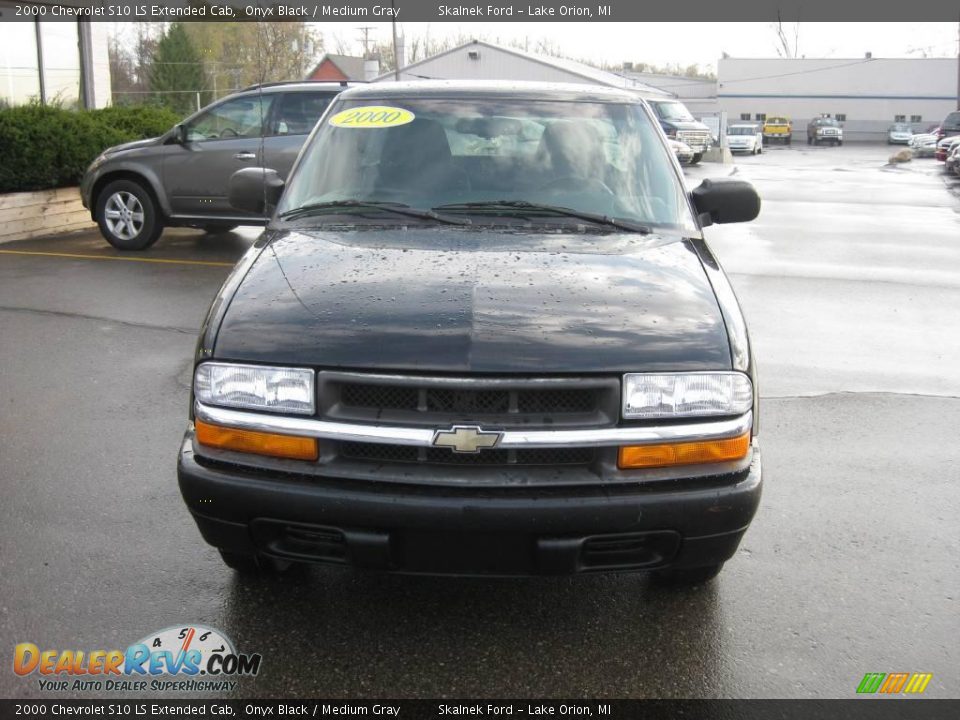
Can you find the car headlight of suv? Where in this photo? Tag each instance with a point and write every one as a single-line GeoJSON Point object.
{"type": "Point", "coordinates": [256, 387]}
{"type": "Point", "coordinates": [649, 396]}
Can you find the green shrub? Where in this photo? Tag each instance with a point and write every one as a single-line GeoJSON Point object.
{"type": "Point", "coordinates": [141, 121]}
{"type": "Point", "coordinates": [45, 146]}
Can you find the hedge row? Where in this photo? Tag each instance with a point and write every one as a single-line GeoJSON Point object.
{"type": "Point", "coordinates": [43, 147]}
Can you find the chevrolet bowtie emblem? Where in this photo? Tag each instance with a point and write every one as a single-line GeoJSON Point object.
{"type": "Point", "coordinates": [466, 438]}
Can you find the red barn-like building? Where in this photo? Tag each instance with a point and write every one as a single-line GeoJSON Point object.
{"type": "Point", "coordinates": [337, 67]}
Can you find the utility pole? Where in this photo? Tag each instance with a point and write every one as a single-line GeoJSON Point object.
{"type": "Point", "coordinates": [366, 38]}
{"type": "Point", "coordinates": [958, 62]}
{"type": "Point", "coordinates": [396, 61]}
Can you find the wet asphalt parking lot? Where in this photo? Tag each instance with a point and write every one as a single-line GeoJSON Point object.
{"type": "Point", "coordinates": [850, 280]}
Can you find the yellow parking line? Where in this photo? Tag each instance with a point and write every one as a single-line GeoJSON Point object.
{"type": "Point", "coordinates": [115, 257]}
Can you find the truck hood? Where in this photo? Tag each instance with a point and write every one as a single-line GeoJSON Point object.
{"type": "Point", "coordinates": [472, 301]}
{"type": "Point", "coordinates": [686, 124]}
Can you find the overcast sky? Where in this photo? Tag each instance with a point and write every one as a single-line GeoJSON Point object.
{"type": "Point", "coordinates": [684, 43]}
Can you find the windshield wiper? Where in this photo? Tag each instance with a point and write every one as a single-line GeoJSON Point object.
{"type": "Point", "coordinates": [554, 209]}
{"type": "Point", "coordinates": [398, 208]}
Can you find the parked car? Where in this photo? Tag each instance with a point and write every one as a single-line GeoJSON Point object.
{"type": "Point", "coordinates": [451, 356]}
{"type": "Point", "coordinates": [824, 130]}
{"type": "Point", "coordinates": [777, 128]}
{"type": "Point", "coordinates": [679, 124]}
{"type": "Point", "coordinates": [683, 151]}
{"type": "Point", "coordinates": [135, 190]}
{"type": "Point", "coordinates": [924, 144]}
{"type": "Point", "coordinates": [899, 134]}
{"type": "Point", "coordinates": [950, 125]}
{"type": "Point", "coordinates": [952, 163]}
{"type": "Point", "coordinates": [943, 147]}
{"type": "Point", "coordinates": [745, 138]}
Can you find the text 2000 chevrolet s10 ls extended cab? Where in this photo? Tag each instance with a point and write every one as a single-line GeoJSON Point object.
{"type": "Point", "coordinates": [482, 334]}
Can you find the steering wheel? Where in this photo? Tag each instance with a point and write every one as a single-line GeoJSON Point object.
{"type": "Point", "coordinates": [575, 183]}
{"type": "Point", "coordinates": [229, 132]}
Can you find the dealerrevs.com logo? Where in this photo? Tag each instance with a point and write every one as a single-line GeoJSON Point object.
{"type": "Point", "coordinates": [188, 658]}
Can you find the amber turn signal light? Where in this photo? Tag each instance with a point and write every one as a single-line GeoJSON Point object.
{"type": "Point", "coordinates": [683, 453]}
{"type": "Point", "coordinates": [282, 446]}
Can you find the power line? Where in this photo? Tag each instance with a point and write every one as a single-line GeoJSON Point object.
{"type": "Point", "coordinates": [800, 72]}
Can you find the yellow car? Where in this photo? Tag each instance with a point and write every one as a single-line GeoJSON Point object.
{"type": "Point", "coordinates": [777, 128]}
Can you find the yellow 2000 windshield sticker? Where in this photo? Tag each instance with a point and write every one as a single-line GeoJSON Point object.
{"type": "Point", "coordinates": [372, 116]}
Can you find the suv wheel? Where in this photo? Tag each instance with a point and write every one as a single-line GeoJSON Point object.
{"type": "Point", "coordinates": [697, 157]}
{"type": "Point", "coordinates": [127, 216]}
{"type": "Point", "coordinates": [688, 576]}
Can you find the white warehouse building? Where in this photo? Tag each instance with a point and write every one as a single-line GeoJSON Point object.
{"type": "Point", "coordinates": [865, 94]}
{"type": "Point", "coordinates": [480, 60]}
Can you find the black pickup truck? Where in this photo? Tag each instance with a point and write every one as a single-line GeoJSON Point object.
{"type": "Point", "coordinates": [481, 334]}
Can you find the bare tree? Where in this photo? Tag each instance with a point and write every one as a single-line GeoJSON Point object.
{"type": "Point", "coordinates": [788, 38]}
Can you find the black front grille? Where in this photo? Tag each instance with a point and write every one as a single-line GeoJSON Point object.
{"type": "Point", "coordinates": [557, 401]}
{"type": "Point", "coordinates": [381, 453]}
{"type": "Point", "coordinates": [478, 402]}
{"type": "Point", "coordinates": [592, 404]}
{"type": "Point", "coordinates": [389, 397]}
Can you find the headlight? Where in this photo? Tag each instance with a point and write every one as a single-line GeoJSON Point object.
{"type": "Point", "coordinates": [683, 395]}
{"type": "Point", "coordinates": [256, 387]}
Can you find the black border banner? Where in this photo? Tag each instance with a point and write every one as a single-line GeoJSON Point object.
{"type": "Point", "coordinates": [853, 709]}
{"type": "Point", "coordinates": [466, 11]}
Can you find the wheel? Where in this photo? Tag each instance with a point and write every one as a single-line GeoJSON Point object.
{"type": "Point", "coordinates": [127, 216]}
{"type": "Point", "coordinates": [697, 157]}
{"type": "Point", "coordinates": [759, 149]}
{"type": "Point", "coordinates": [255, 564]}
{"type": "Point", "coordinates": [787, 140]}
{"type": "Point", "coordinates": [218, 229]}
{"type": "Point", "coordinates": [688, 576]}
{"type": "Point", "coordinates": [809, 140]}
{"type": "Point", "coordinates": [839, 143]}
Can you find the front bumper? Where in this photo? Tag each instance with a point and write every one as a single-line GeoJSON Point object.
{"type": "Point", "coordinates": [468, 531]}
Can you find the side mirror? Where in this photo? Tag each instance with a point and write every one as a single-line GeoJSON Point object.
{"type": "Point", "coordinates": [255, 190]}
{"type": "Point", "coordinates": [180, 134]}
{"type": "Point", "coordinates": [725, 200]}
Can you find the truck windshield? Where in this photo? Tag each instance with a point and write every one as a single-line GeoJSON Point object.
{"type": "Point", "coordinates": [673, 111]}
{"type": "Point", "coordinates": [474, 156]}
{"type": "Point", "coordinates": [740, 130]}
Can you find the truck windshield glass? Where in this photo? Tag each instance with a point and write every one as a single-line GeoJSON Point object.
{"type": "Point", "coordinates": [740, 130]}
{"type": "Point", "coordinates": [606, 159]}
{"type": "Point", "coordinates": [673, 111]}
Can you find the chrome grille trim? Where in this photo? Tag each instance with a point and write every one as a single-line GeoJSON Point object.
{"type": "Point", "coordinates": [511, 439]}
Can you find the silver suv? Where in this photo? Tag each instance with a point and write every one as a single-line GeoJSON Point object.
{"type": "Point", "coordinates": [135, 190]}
